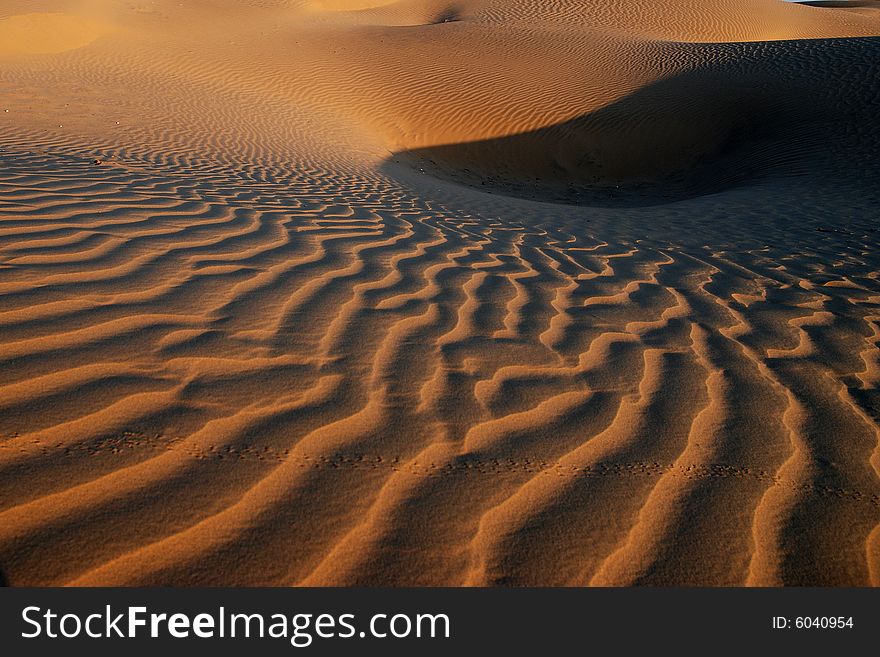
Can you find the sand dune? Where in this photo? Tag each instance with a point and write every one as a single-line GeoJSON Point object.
{"type": "Point", "coordinates": [494, 292]}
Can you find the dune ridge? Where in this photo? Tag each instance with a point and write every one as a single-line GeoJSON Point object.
{"type": "Point", "coordinates": [427, 293]}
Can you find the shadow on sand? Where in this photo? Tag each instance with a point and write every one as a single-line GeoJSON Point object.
{"type": "Point", "coordinates": [743, 112]}
{"type": "Point", "coordinates": [837, 4]}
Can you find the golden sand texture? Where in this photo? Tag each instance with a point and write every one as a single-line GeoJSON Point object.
{"type": "Point", "coordinates": [493, 292]}
{"type": "Point", "coordinates": [46, 33]}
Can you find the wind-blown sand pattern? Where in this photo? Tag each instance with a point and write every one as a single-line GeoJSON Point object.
{"type": "Point", "coordinates": [489, 292]}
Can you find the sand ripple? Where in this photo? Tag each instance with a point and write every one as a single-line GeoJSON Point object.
{"type": "Point", "coordinates": [259, 343]}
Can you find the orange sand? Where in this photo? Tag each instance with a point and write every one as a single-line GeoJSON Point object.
{"type": "Point", "coordinates": [558, 292]}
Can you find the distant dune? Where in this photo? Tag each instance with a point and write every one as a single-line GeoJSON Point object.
{"type": "Point", "coordinates": [485, 292]}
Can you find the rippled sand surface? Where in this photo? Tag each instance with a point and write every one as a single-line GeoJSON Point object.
{"type": "Point", "coordinates": [493, 292]}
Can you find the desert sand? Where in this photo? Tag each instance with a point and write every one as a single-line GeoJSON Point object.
{"type": "Point", "coordinates": [485, 292]}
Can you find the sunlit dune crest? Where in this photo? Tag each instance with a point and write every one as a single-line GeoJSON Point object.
{"type": "Point", "coordinates": [47, 33]}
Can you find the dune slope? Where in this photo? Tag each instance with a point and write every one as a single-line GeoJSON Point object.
{"type": "Point", "coordinates": [494, 292]}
